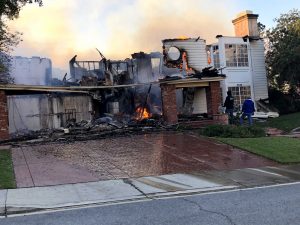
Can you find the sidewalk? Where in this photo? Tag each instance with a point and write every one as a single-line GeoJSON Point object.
{"type": "Point", "coordinates": [25, 200]}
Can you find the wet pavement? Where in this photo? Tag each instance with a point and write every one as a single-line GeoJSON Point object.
{"type": "Point", "coordinates": [126, 157]}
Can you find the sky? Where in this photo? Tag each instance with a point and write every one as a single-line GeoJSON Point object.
{"type": "Point", "coordinates": [61, 29]}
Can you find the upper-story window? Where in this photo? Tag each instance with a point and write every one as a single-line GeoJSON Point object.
{"type": "Point", "coordinates": [236, 55]}
{"type": "Point", "coordinates": [216, 56]}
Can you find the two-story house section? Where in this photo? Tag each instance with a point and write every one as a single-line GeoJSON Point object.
{"type": "Point", "coordinates": [241, 58]}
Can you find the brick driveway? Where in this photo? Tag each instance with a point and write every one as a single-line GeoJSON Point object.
{"type": "Point", "coordinates": [123, 157]}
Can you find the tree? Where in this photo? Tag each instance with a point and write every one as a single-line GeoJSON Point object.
{"type": "Point", "coordinates": [9, 9]}
{"type": "Point", "coordinates": [261, 29]}
{"type": "Point", "coordinates": [283, 52]}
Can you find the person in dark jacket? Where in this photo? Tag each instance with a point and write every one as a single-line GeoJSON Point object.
{"type": "Point", "coordinates": [229, 104]}
{"type": "Point", "coordinates": [248, 110]}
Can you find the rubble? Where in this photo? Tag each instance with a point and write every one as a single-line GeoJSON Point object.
{"type": "Point", "coordinates": [101, 127]}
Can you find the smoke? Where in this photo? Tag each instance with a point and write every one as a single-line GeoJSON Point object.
{"type": "Point", "coordinates": [157, 20]}
{"type": "Point", "coordinates": [61, 29]}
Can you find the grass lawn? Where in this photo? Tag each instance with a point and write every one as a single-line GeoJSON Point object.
{"type": "Point", "coordinates": [7, 178]}
{"type": "Point", "coordinates": [285, 122]}
{"type": "Point", "coordinates": [280, 149]}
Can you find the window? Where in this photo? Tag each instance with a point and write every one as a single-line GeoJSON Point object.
{"type": "Point", "coordinates": [240, 94]}
{"type": "Point", "coordinates": [155, 63]}
{"type": "Point", "coordinates": [216, 56]}
{"type": "Point", "coordinates": [70, 114]}
{"type": "Point", "coordinates": [236, 55]}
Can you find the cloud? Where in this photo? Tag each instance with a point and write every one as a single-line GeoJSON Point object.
{"type": "Point", "coordinates": [61, 29]}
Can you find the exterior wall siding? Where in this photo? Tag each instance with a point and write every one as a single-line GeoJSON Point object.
{"type": "Point", "coordinates": [260, 83]}
{"type": "Point", "coordinates": [253, 75]}
{"type": "Point", "coordinates": [36, 112]}
{"type": "Point", "coordinates": [234, 75]}
{"type": "Point", "coordinates": [196, 51]}
{"type": "Point", "coordinates": [22, 113]}
{"type": "Point", "coordinates": [31, 71]}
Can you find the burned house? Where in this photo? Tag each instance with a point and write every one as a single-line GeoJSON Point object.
{"type": "Point", "coordinates": [137, 85]}
{"type": "Point", "coordinates": [125, 87]}
{"type": "Point", "coordinates": [191, 85]}
{"type": "Point", "coordinates": [156, 85]}
{"type": "Point", "coordinates": [240, 59]}
{"type": "Point", "coordinates": [186, 81]}
{"type": "Point", "coordinates": [184, 57]}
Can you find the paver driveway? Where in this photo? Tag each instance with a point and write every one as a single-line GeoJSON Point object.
{"type": "Point", "coordinates": [123, 157]}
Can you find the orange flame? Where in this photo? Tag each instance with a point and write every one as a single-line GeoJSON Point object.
{"type": "Point", "coordinates": [142, 113]}
{"type": "Point", "coordinates": [184, 58]}
{"type": "Point", "coordinates": [182, 37]}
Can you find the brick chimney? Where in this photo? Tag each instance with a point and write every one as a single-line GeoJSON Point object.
{"type": "Point", "coordinates": [245, 24]}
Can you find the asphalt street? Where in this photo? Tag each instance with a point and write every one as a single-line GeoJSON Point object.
{"type": "Point", "coordinates": [277, 205]}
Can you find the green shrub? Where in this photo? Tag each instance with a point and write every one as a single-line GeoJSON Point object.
{"type": "Point", "coordinates": [229, 131]}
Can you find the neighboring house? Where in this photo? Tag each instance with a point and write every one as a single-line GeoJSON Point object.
{"type": "Point", "coordinates": [241, 59]}
{"type": "Point", "coordinates": [31, 71]}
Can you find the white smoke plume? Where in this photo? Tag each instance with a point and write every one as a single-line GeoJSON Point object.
{"type": "Point", "coordinates": [61, 29]}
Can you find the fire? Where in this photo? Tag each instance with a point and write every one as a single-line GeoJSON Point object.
{"type": "Point", "coordinates": [182, 37]}
{"type": "Point", "coordinates": [185, 60]}
{"type": "Point", "coordinates": [142, 113]}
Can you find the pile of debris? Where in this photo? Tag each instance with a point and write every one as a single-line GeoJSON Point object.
{"type": "Point", "coordinates": [106, 126]}
{"type": "Point", "coordinates": [113, 122]}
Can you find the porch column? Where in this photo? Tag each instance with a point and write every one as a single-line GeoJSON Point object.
{"type": "Point", "coordinates": [169, 106]}
{"type": "Point", "coordinates": [4, 132]}
{"type": "Point", "coordinates": [213, 98]}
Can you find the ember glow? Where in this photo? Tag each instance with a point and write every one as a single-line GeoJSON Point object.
{"type": "Point", "coordinates": [142, 113]}
{"type": "Point", "coordinates": [185, 61]}
{"type": "Point", "coordinates": [182, 37]}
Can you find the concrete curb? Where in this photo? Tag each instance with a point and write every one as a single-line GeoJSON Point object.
{"type": "Point", "coordinates": [27, 200]}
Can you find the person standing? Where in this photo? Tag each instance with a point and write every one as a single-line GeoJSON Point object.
{"type": "Point", "coordinates": [229, 104]}
{"type": "Point", "coordinates": [247, 110]}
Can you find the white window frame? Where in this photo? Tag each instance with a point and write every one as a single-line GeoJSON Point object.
{"type": "Point", "coordinates": [240, 94]}
{"type": "Point", "coordinates": [238, 56]}
{"type": "Point", "coordinates": [216, 56]}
